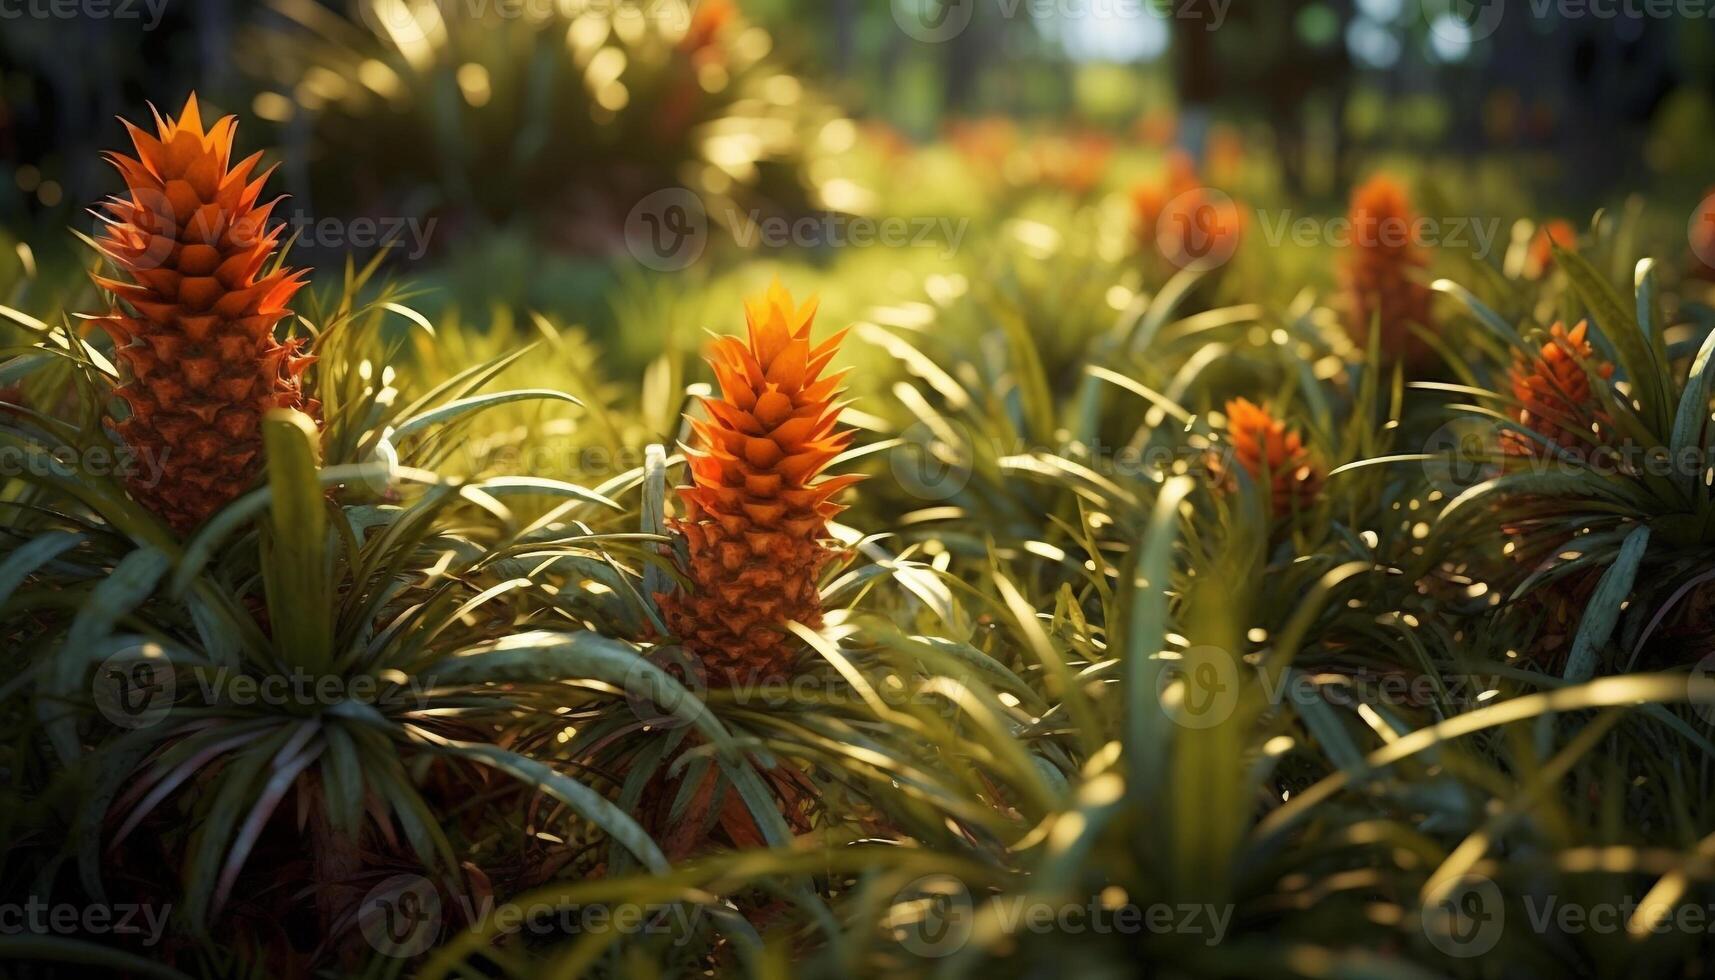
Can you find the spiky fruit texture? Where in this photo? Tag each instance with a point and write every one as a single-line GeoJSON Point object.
{"type": "Point", "coordinates": [1377, 274]}
{"type": "Point", "coordinates": [193, 330]}
{"type": "Point", "coordinates": [1271, 452]}
{"type": "Point", "coordinates": [756, 512]}
{"type": "Point", "coordinates": [1554, 395]}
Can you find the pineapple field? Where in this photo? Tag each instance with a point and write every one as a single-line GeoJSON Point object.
{"type": "Point", "coordinates": [935, 488]}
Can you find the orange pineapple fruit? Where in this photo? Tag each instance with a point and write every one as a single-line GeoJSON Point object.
{"type": "Point", "coordinates": [1376, 277]}
{"type": "Point", "coordinates": [1269, 451]}
{"type": "Point", "coordinates": [756, 512]}
{"type": "Point", "coordinates": [1554, 395]}
{"type": "Point", "coordinates": [193, 322]}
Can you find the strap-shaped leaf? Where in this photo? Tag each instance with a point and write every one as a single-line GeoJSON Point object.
{"type": "Point", "coordinates": [133, 580]}
{"type": "Point", "coordinates": [1692, 418]}
{"type": "Point", "coordinates": [1619, 324]}
{"type": "Point", "coordinates": [585, 801]}
{"type": "Point", "coordinates": [1486, 316]}
{"type": "Point", "coordinates": [1604, 608]}
{"type": "Point", "coordinates": [297, 571]}
{"type": "Point", "coordinates": [1148, 727]}
{"type": "Point", "coordinates": [475, 403]}
{"type": "Point", "coordinates": [28, 558]}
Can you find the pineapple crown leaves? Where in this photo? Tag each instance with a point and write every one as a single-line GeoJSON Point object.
{"type": "Point", "coordinates": [192, 233]}
{"type": "Point", "coordinates": [771, 431]}
{"type": "Point", "coordinates": [194, 314]}
{"type": "Point", "coordinates": [1381, 210]}
{"type": "Point", "coordinates": [1267, 449]}
{"type": "Point", "coordinates": [1554, 390]}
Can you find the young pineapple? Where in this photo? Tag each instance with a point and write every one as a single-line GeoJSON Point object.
{"type": "Point", "coordinates": [1554, 396]}
{"type": "Point", "coordinates": [756, 512]}
{"type": "Point", "coordinates": [1267, 449]}
{"type": "Point", "coordinates": [193, 327]}
{"type": "Point", "coordinates": [1377, 275]}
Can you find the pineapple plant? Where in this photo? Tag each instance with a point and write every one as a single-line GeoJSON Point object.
{"type": "Point", "coordinates": [1272, 454]}
{"type": "Point", "coordinates": [1377, 277]}
{"type": "Point", "coordinates": [194, 315]}
{"type": "Point", "coordinates": [1554, 394]}
{"type": "Point", "coordinates": [756, 511]}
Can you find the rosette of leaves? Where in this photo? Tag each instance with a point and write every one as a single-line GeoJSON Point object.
{"type": "Point", "coordinates": [1596, 482]}
{"type": "Point", "coordinates": [322, 685]}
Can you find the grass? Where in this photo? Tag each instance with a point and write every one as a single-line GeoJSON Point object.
{"type": "Point", "coordinates": [1075, 706]}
